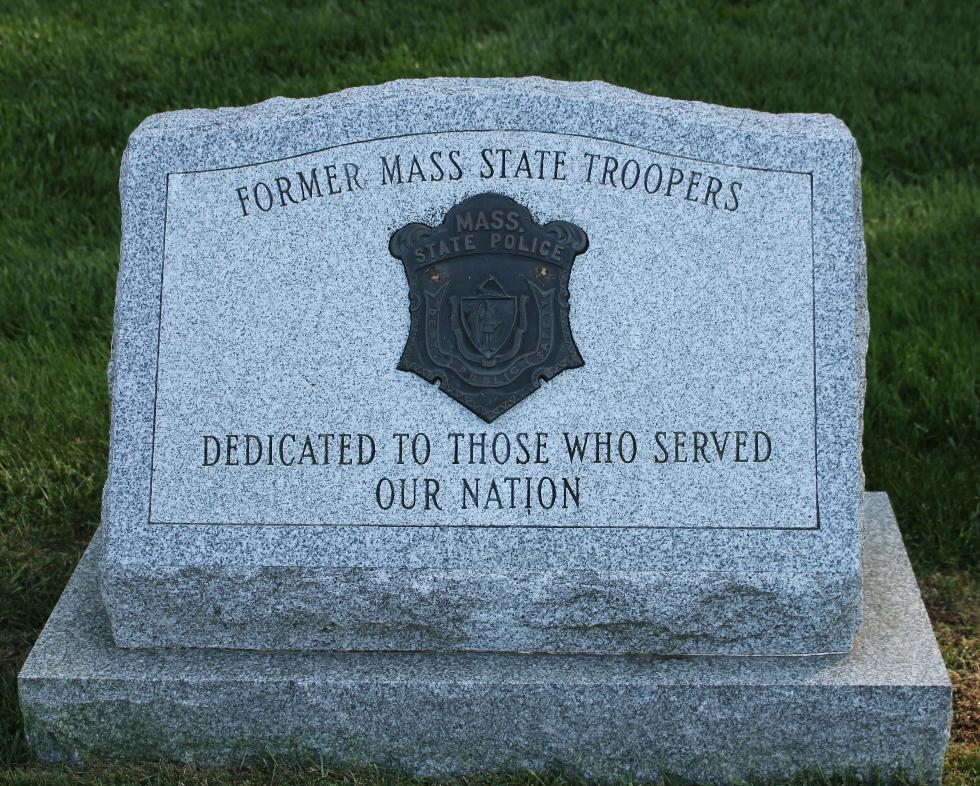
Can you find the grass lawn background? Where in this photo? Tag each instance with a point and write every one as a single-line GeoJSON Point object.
{"type": "Point", "coordinates": [76, 79]}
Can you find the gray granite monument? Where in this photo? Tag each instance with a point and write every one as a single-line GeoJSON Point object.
{"type": "Point", "coordinates": [462, 425]}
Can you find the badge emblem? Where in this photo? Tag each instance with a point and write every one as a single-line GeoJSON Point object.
{"type": "Point", "coordinates": [488, 300]}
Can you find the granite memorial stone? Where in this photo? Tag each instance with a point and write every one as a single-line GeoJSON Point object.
{"type": "Point", "coordinates": [636, 332]}
{"type": "Point", "coordinates": [465, 379]}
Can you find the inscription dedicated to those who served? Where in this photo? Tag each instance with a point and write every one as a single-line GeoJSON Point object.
{"type": "Point", "coordinates": [523, 452]}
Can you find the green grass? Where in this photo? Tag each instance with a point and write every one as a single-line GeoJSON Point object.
{"type": "Point", "coordinates": [76, 78]}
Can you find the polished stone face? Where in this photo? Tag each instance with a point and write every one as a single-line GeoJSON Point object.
{"type": "Point", "coordinates": [692, 400]}
{"type": "Point", "coordinates": [654, 449]}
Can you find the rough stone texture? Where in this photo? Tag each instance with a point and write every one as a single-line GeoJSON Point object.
{"type": "Point", "coordinates": [884, 708]}
{"type": "Point", "coordinates": [688, 318]}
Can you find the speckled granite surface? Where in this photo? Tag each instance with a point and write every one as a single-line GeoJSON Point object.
{"type": "Point", "coordinates": [883, 708]}
{"type": "Point", "coordinates": [731, 302]}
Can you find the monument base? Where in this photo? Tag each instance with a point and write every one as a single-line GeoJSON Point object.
{"type": "Point", "coordinates": [884, 708]}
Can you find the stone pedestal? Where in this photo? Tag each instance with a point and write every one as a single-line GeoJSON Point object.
{"type": "Point", "coordinates": [884, 707]}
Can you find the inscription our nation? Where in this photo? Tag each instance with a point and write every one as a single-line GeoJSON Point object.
{"type": "Point", "coordinates": [740, 454]}
{"type": "Point", "coordinates": [481, 449]}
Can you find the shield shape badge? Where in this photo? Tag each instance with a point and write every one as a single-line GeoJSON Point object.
{"type": "Point", "coordinates": [488, 301]}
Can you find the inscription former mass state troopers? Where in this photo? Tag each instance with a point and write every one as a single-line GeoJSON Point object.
{"type": "Point", "coordinates": [488, 299]}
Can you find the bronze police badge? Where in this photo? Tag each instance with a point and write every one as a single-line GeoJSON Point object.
{"type": "Point", "coordinates": [488, 299]}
